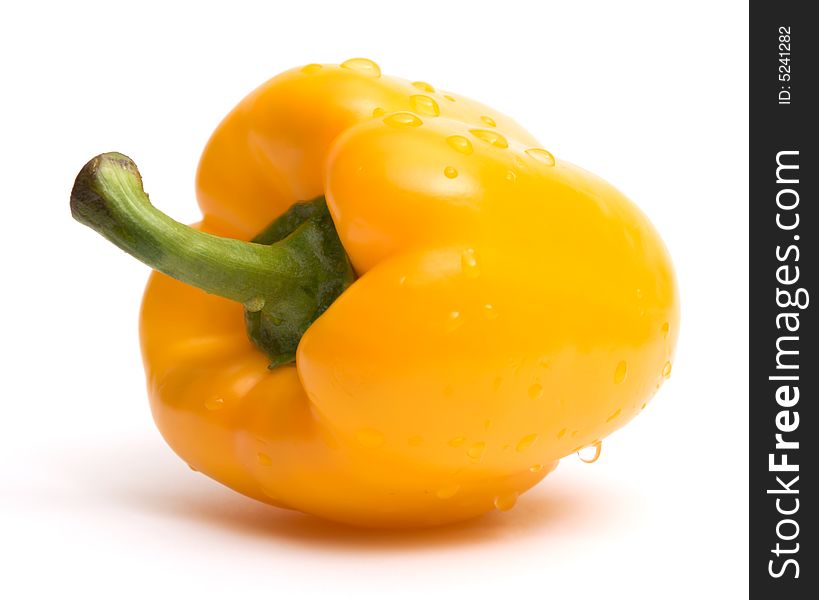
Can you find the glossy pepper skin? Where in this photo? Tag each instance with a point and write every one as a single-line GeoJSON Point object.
{"type": "Point", "coordinates": [509, 308]}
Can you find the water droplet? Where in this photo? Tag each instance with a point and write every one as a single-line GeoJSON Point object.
{"type": "Point", "coordinates": [311, 68]}
{"type": "Point", "coordinates": [456, 441]}
{"type": "Point", "coordinates": [664, 330]}
{"type": "Point", "coordinates": [214, 403]}
{"type": "Point", "coordinates": [460, 143]}
{"type": "Point", "coordinates": [620, 372]}
{"type": "Point", "coordinates": [379, 112]}
{"type": "Point", "coordinates": [469, 263]}
{"type": "Point", "coordinates": [423, 86]}
{"type": "Point", "coordinates": [448, 97]}
{"type": "Point", "coordinates": [425, 105]}
{"type": "Point", "coordinates": [403, 119]}
{"type": "Point", "coordinates": [264, 459]}
{"type": "Point", "coordinates": [497, 383]}
{"type": "Point", "coordinates": [542, 155]}
{"type": "Point", "coordinates": [561, 433]}
{"type": "Point", "coordinates": [487, 424]}
{"type": "Point", "coordinates": [254, 304]}
{"type": "Point", "coordinates": [402, 280]}
{"type": "Point", "coordinates": [415, 441]}
{"type": "Point", "coordinates": [613, 415]}
{"type": "Point", "coordinates": [454, 321]}
{"type": "Point", "coordinates": [535, 391]}
{"type": "Point", "coordinates": [363, 65]}
{"type": "Point", "coordinates": [448, 390]}
{"type": "Point", "coordinates": [511, 176]}
{"type": "Point", "coordinates": [596, 446]}
{"type": "Point", "coordinates": [667, 369]}
{"type": "Point", "coordinates": [448, 491]}
{"type": "Point", "coordinates": [451, 172]}
{"type": "Point", "coordinates": [489, 311]}
{"type": "Point", "coordinates": [526, 441]}
{"type": "Point", "coordinates": [489, 121]}
{"type": "Point", "coordinates": [490, 137]}
{"type": "Point", "coordinates": [369, 438]}
{"type": "Point", "coordinates": [536, 468]}
{"type": "Point", "coordinates": [476, 450]}
{"type": "Point", "coordinates": [639, 294]}
{"type": "Point", "coordinates": [506, 502]}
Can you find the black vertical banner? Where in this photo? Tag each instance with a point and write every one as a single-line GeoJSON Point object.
{"type": "Point", "coordinates": [784, 223]}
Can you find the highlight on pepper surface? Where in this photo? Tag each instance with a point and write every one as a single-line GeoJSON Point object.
{"type": "Point", "coordinates": [399, 308]}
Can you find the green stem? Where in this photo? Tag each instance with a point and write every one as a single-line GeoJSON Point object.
{"type": "Point", "coordinates": [285, 280]}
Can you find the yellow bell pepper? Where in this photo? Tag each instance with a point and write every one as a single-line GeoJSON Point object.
{"type": "Point", "coordinates": [506, 309]}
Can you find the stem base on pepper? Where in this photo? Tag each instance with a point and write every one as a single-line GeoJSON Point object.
{"type": "Point", "coordinates": [285, 278]}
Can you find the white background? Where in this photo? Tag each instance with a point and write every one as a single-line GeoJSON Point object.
{"type": "Point", "coordinates": [651, 96]}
